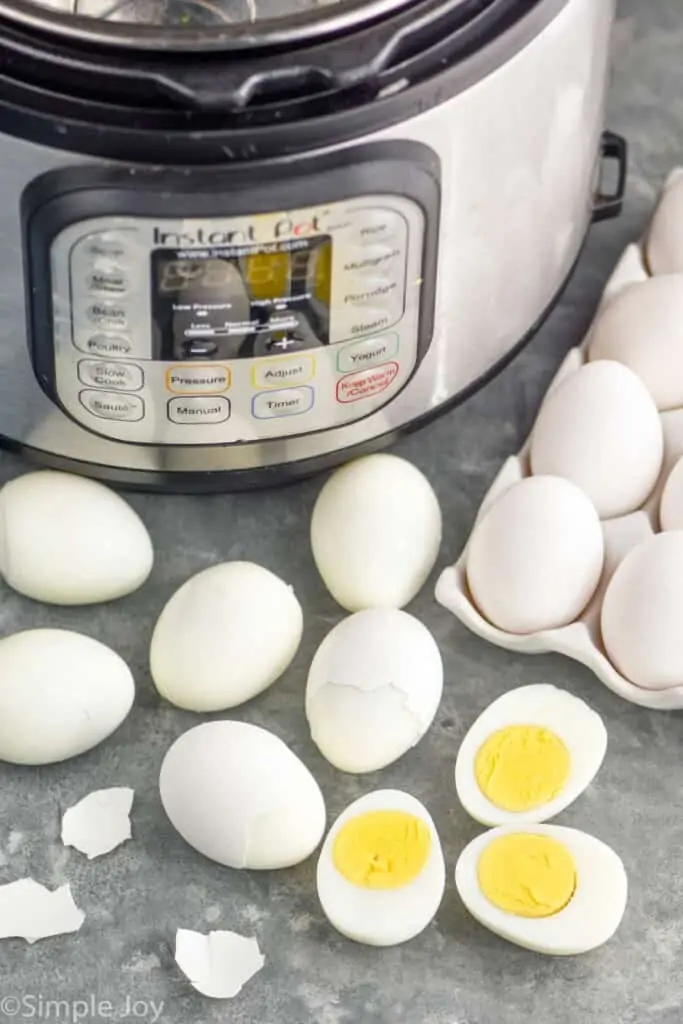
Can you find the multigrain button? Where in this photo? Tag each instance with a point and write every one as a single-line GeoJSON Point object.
{"type": "Point", "coordinates": [116, 375]}
{"type": "Point", "coordinates": [367, 353]}
{"type": "Point", "coordinates": [110, 406]}
{"type": "Point", "coordinates": [356, 386]}
{"type": "Point", "coordinates": [276, 373]}
{"type": "Point", "coordinates": [198, 380]}
{"type": "Point", "coordinates": [199, 409]}
{"type": "Point", "coordinates": [287, 402]}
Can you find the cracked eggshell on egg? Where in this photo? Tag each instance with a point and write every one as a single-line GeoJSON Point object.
{"type": "Point", "coordinates": [373, 689]}
{"type": "Point", "coordinates": [600, 429]}
{"type": "Point", "coordinates": [66, 540]}
{"type": "Point", "coordinates": [226, 635]}
{"type": "Point", "coordinates": [376, 532]}
{"type": "Point", "coordinates": [240, 796]}
{"type": "Point", "coordinates": [61, 693]}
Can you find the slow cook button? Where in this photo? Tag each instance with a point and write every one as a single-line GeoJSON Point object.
{"type": "Point", "coordinates": [367, 383]}
{"type": "Point", "coordinates": [367, 353]}
{"type": "Point", "coordinates": [199, 410]}
{"type": "Point", "coordinates": [110, 406]}
{"type": "Point", "coordinates": [288, 402]}
{"type": "Point", "coordinates": [198, 380]}
{"type": "Point", "coordinates": [119, 376]}
{"type": "Point", "coordinates": [276, 373]}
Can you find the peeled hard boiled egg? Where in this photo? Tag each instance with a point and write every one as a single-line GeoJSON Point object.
{"type": "Point", "coordinates": [642, 613]}
{"type": "Point", "coordinates": [381, 873]}
{"type": "Point", "coordinates": [642, 327]}
{"type": "Point", "coordinates": [600, 429]}
{"type": "Point", "coordinates": [529, 755]}
{"type": "Point", "coordinates": [61, 694]}
{"type": "Point", "coordinates": [551, 889]}
{"type": "Point", "coordinates": [373, 689]}
{"type": "Point", "coordinates": [671, 502]}
{"type": "Point", "coordinates": [535, 558]}
{"type": "Point", "coordinates": [240, 796]}
{"type": "Point", "coordinates": [664, 247]}
{"type": "Point", "coordinates": [70, 541]}
{"type": "Point", "coordinates": [224, 636]}
{"type": "Point", "coordinates": [375, 533]}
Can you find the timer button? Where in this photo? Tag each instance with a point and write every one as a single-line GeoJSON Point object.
{"type": "Point", "coordinates": [199, 410]}
{"type": "Point", "coordinates": [287, 402]}
{"type": "Point", "coordinates": [108, 405]}
{"type": "Point", "coordinates": [118, 376]}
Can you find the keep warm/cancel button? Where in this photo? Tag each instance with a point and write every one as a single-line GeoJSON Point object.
{"type": "Point", "coordinates": [198, 410]}
{"type": "Point", "coordinates": [356, 386]}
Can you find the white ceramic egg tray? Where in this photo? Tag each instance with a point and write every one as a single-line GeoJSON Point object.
{"type": "Point", "coordinates": [581, 639]}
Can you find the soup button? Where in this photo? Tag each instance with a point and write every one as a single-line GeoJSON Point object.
{"type": "Point", "coordinates": [357, 386]}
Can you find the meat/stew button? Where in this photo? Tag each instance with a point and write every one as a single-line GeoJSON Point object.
{"type": "Point", "coordinates": [366, 383]}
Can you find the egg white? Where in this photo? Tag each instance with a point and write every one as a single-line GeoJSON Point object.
{"type": "Point", "coordinates": [381, 917]}
{"type": "Point", "coordinates": [579, 727]}
{"type": "Point", "coordinates": [590, 918]}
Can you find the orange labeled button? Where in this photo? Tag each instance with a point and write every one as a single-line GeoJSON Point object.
{"type": "Point", "coordinates": [198, 379]}
{"type": "Point", "coordinates": [356, 386]}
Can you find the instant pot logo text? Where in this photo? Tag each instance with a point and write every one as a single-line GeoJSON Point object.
{"type": "Point", "coordinates": [285, 227]}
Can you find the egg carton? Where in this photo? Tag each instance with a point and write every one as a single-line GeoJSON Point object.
{"type": "Point", "coordinates": [580, 640]}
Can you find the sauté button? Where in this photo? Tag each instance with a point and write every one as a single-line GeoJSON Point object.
{"type": "Point", "coordinates": [199, 409]}
{"type": "Point", "coordinates": [287, 402]}
{"type": "Point", "coordinates": [367, 353]}
{"type": "Point", "coordinates": [110, 406]}
{"type": "Point", "coordinates": [276, 373]}
{"type": "Point", "coordinates": [198, 379]}
{"type": "Point", "coordinates": [356, 386]}
{"type": "Point", "coordinates": [116, 375]}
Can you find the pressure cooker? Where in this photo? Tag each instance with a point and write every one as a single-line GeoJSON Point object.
{"type": "Point", "coordinates": [245, 240]}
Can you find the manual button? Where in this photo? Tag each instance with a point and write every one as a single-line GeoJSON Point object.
{"type": "Point", "coordinates": [119, 376]}
{"type": "Point", "coordinates": [198, 410]}
{"type": "Point", "coordinates": [110, 406]}
{"type": "Point", "coordinates": [277, 373]}
{"type": "Point", "coordinates": [367, 353]}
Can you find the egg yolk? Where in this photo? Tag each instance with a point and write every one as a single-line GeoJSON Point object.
{"type": "Point", "coordinates": [528, 875]}
{"type": "Point", "coordinates": [381, 849]}
{"type": "Point", "coordinates": [522, 767]}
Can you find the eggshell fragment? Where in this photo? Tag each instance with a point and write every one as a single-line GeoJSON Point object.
{"type": "Point", "coordinates": [67, 540]}
{"type": "Point", "coordinates": [239, 795]}
{"type": "Point", "coordinates": [99, 822]}
{"type": "Point", "coordinates": [642, 613]}
{"type": "Point", "coordinates": [30, 911]}
{"type": "Point", "coordinates": [227, 634]}
{"type": "Point", "coordinates": [642, 327]}
{"type": "Point", "coordinates": [61, 693]}
{"type": "Point", "coordinates": [535, 558]}
{"type": "Point", "coordinates": [600, 429]}
{"type": "Point", "coordinates": [218, 964]}
{"type": "Point", "coordinates": [375, 533]}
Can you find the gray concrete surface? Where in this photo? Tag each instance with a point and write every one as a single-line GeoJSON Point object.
{"type": "Point", "coordinates": [455, 973]}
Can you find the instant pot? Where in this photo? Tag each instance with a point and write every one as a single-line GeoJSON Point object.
{"type": "Point", "coordinates": [244, 240]}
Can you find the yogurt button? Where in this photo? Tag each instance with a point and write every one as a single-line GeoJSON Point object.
{"type": "Point", "coordinates": [367, 353]}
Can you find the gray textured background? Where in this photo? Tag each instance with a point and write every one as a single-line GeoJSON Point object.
{"type": "Point", "coordinates": [455, 973]}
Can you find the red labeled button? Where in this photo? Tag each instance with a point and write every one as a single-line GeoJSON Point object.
{"type": "Point", "coordinates": [366, 383]}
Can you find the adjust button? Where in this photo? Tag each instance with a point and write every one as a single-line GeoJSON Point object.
{"type": "Point", "coordinates": [367, 353]}
{"type": "Point", "coordinates": [356, 386]}
{"type": "Point", "coordinates": [288, 402]}
{"type": "Point", "coordinates": [274, 373]}
{"type": "Point", "coordinates": [198, 380]}
{"type": "Point", "coordinates": [110, 406]}
{"type": "Point", "coordinates": [119, 376]}
{"type": "Point", "coordinates": [199, 409]}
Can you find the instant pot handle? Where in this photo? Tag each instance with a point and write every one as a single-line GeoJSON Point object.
{"type": "Point", "coordinates": [609, 204]}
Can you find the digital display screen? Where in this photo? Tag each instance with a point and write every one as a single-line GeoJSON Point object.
{"type": "Point", "coordinates": [236, 302]}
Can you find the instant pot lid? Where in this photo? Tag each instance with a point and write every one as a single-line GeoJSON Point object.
{"type": "Point", "coordinates": [193, 25]}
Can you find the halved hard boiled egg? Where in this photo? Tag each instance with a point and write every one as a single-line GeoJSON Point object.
{"type": "Point", "coordinates": [529, 755]}
{"type": "Point", "coordinates": [381, 873]}
{"type": "Point", "coordinates": [548, 888]}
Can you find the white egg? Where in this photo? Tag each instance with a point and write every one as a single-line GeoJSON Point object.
{"type": "Point", "coordinates": [528, 875]}
{"type": "Point", "coordinates": [600, 429]}
{"type": "Point", "coordinates": [240, 796]}
{"type": "Point", "coordinates": [671, 502]}
{"type": "Point", "coordinates": [70, 541]}
{"type": "Point", "coordinates": [529, 755]}
{"type": "Point", "coordinates": [375, 533]}
{"type": "Point", "coordinates": [61, 694]}
{"type": "Point", "coordinates": [535, 558]}
{"type": "Point", "coordinates": [373, 689]}
{"type": "Point", "coordinates": [642, 613]}
{"type": "Point", "coordinates": [359, 891]}
{"type": "Point", "coordinates": [664, 247]}
{"type": "Point", "coordinates": [642, 327]}
{"type": "Point", "coordinates": [224, 636]}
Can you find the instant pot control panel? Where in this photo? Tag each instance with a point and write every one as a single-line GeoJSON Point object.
{"type": "Point", "coordinates": [230, 327]}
